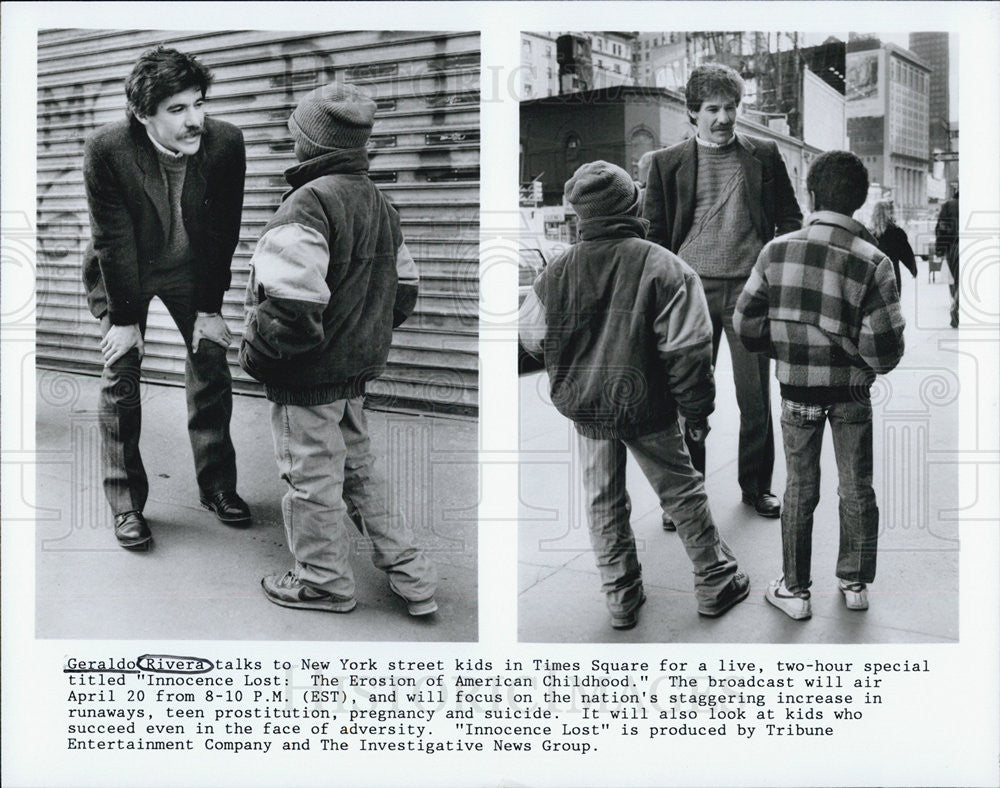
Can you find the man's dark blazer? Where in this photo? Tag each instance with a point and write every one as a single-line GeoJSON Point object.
{"type": "Point", "coordinates": [130, 215]}
{"type": "Point", "coordinates": [673, 177]}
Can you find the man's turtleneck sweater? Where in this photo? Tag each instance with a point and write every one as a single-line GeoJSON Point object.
{"type": "Point", "coordinates": [172, 265]}
{"type": "Point", "coordinates": [722, 242]}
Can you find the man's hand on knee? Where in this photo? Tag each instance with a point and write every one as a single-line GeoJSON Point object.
{"type": "Point", "coordinates": [211, 327]}
{"type": "Point", "coordinates": [120, 340]}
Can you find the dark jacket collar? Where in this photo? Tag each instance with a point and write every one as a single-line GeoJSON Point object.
{"type": "Point", "coordinates": [843, 221]}
{"type": "Point", "coordinates": [599, 227]}
{"type": "Point", "coordinates": [338, 162]}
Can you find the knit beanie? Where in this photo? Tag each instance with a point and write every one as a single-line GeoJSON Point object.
{"type": "Point", "coordinates": [602, 189]}
{"type": "Point", "coordinates": [331, 117]}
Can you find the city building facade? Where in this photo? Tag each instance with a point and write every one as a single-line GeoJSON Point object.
{"type": "Point", "coordinates": [888, 90]}
{"type": "Point", "coordinates": [539, 69]}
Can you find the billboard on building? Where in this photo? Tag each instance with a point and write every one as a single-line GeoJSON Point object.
{"type": "Point", "coordinates": [865, 83]}
{"type": "Point", "coordinates": [824, 114]}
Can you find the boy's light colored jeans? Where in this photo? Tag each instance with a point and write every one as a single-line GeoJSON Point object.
{"type": "Point", "coordinates": [665, 462]}
{"type": "Point", "coordinates": [325, 458]}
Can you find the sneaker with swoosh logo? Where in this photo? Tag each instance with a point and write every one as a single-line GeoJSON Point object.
{"type": "Point", "coordinates": [288, 591]}
{"type": "Point", "coordinates": [794, 604]}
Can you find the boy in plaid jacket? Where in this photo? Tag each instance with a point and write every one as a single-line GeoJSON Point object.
{"type": "Point", "coordinates": [822, 301]}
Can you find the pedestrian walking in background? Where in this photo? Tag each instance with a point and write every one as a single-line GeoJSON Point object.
{"type": "Point", "coordinates": [165, 194]}
{"type": "Point", "coordinates": [891, 240]}
{"type": "Point", "coordinates": [715, 200]}
{"type": "Point", "coordinates": [822, 301]}
{"type": "Point", "coordinates": [624, 331]}
{"type": "Point", "coordinates": [330, 279]}
{"type": "Point", "coordinates": [946, 246]}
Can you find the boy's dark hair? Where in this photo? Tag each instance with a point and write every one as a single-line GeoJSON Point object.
{"type": "Point", "coordinates": [839, 182]}
{"type": "Point", "coordinates": [709, 80]}
{"type": "Point", "coordinates": [159, 74]}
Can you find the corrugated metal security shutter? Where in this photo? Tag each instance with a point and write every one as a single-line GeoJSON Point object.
{"type": "Point", "coordinates": [425, 149]}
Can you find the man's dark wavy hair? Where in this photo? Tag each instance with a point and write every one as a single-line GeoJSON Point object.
{"type": "Point", "coordinates": [709, 80]}
{"type": "Point", "coordinates": [159, 74]}
{"type": "Point", "coordinates": [839, 182]}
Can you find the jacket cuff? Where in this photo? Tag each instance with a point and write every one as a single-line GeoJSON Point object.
{"type": "Point", "coordinates": [406, 301]}
{"type": "Point", "coordinates": [209, 301]}
{"type": "Point", "coordinates": [123, 317]}
{"type": "Point", "coordinates": [252, 362]}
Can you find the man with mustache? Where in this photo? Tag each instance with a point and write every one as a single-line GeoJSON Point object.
{"type": "Point", "coordinates": [715, 200]}
{"type": "Point", "coordinates": [165, 194]}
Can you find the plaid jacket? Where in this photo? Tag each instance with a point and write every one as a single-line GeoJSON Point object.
{"type": "Point", "coordinates": [822, 301]}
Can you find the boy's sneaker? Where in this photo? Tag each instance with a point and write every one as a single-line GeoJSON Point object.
{"type": "Point", "coordinates": [855, 594]}
{"type": "Point", "coordinates": [288, 591]}
{"type": "Point", "coordinates": [417, 607]}
{"type": "Point", "coordinates": [631, 618]}
{"type": "Point", "coordinates": [735, 591]}
{"type": "Point", "coordinates": [795, 604]}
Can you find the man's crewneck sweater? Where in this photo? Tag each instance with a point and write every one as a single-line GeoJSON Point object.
{"type": "Point", "coordinates": [172, 265]}
{"type": "Point", "coordinates": [722, 242]}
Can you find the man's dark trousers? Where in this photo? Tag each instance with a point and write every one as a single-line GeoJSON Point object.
{"type": "Point", "coordinates": [751, 373]}
{"type": "Point", "coordinates": [208, 385]}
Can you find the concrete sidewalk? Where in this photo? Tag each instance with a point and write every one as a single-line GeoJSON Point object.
{"type": "Point", "coordinates": [915, 596]}
{"type": "Point", "coordinates": [201, 579]}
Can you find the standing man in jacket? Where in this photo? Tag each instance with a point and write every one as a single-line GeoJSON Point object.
{"type": "Point", "coordinates": [165, 193]}
{"type": "Point", "coordinates": [715, 200]}
{"type": "Point", "coordinates": [946, 246]}
{"type": "Point", "coordinates": [624, 331]}
{"type": "Point", "coordinates": [823, 302]}
{"type": "Point", "coordinates": [330, 279]}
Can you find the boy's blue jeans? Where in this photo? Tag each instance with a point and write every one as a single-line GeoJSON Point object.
{"type": "Point", "coordinates": [664, 461]}
{"type": "Point", "coordinates": [802, 432]}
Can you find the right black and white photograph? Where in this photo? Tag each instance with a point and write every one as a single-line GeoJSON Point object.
{"type": "Point", "coordinates": [739, 321]}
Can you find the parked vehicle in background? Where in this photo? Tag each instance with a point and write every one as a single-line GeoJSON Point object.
{"type": "Point", "coordinates": [532, 256]}
{"type": "Point", "coordinates": [530, 262]}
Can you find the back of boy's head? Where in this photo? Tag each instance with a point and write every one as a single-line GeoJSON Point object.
{"type": "Point", "coordinates": [602, 189]}
{"type": "Point", "coordinates": [839, 182]}
{"type": "Point", "coordinates": [335, 116]}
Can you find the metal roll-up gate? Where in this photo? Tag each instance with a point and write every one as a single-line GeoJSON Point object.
{"type": "Point", "coordinates": [425, 158]}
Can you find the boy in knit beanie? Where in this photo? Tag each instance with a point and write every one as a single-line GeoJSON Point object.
{"type": "Point", "coordinates": [623, 329]}
{"type": "Point", "coordinates": [329, 280]}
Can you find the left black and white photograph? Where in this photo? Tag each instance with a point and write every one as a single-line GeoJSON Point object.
{"type": "Point", "coordinates": [257, 333]}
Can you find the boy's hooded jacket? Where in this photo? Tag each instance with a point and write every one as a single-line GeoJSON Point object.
{"type": "Point", "coordinates": [324, 292]}
{"type": "Point", "coordinates": [624, 330]}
